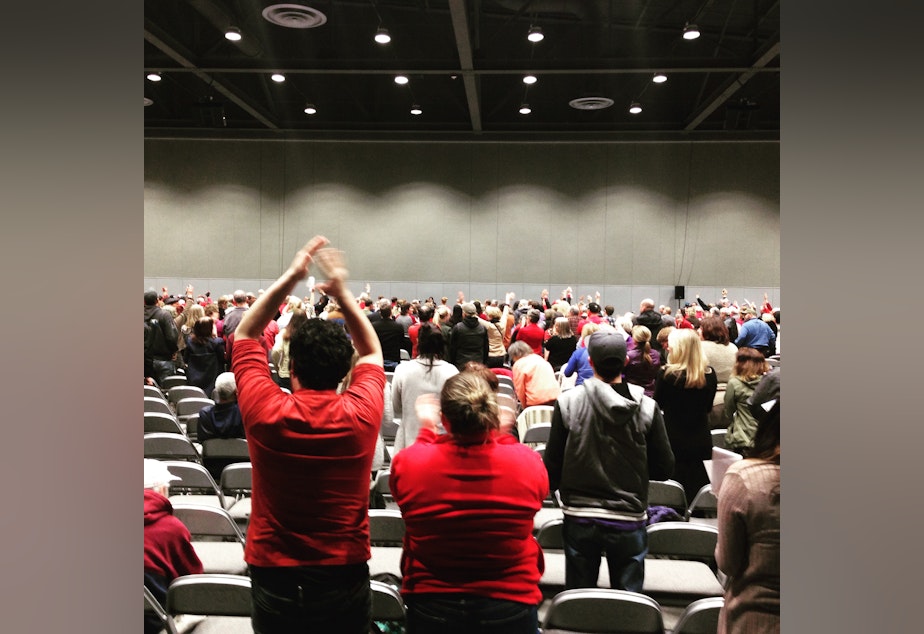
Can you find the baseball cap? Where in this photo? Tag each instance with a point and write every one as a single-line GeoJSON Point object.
{"type": "Point", "coordinates": [607, 351]}
{"type": "Point", "coordinates": [468, 308]}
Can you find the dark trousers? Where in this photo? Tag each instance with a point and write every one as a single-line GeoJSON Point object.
{"type": "Point", "coordinates": [466, 613]}
{"type": "Point", "coordinates": [585, 544]}
{"type": "Point", "coordinates": [311, 599]}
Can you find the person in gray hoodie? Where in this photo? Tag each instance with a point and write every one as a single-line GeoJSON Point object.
{"type": "Point", "coordinates": [606, 442]}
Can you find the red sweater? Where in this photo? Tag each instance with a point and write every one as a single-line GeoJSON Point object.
{"type": "Point", "coordinates": [167, 548]}
{"type": "Point", "coordinates": [312, 457]}
{"type": "Point", "coordinates": [469, 514]}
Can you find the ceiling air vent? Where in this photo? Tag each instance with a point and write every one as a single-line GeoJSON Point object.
{"type": "Point", "coordinates": [294, 16]}
{"type": "Point", "coordinates": [590, 103]}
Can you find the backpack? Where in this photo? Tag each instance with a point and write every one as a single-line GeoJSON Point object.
{"type": "Point", "coordinates": [153, 337]}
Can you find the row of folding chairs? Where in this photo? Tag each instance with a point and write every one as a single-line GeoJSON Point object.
{"type": "Point", "coordinates": [222, 603]}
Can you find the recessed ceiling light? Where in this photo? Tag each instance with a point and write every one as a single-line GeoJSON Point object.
{"type": "Point", "coordinates": [233, 34]}
{"type": "Point", "coordinates": [415, 110]}
{"type": "Point", "coordinates": [525, 109]}
{"type": "Point", "coordinates": [401, 79]}
{"type": "Point", "coordinates": [659, 78]}
{"type": "Point", "coordinates": [310, 109]}
{"type": "Point", "coordinates": [690, 32]}
{"type": "Point", "coordinates": [635, 108]}
{"type": "Point", "coordinates": [530, 79]}
{"type": "Point", "coordinates": [278, 78]}
{"type": "Point", "coordinates": [154, 76]}
{"type": "Point", "coordinates": [382, 36]}
{"type": "Point", "coordinates": [148, 102]}
{"type": "Point", "coordinates": [535, 34]}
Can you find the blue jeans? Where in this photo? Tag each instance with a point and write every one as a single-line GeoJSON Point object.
{"type": "Point", "coordinates": [585, 544]}
{"type": "Point", "coordinates": [311, 599]}
{"type": "Point", "coordinates": [466, 613]}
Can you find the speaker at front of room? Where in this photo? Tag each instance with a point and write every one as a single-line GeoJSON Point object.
{"type": "Point", "coordinates": [678, 292]}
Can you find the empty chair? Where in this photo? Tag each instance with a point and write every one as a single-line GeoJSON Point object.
{"type": "Point", "coordinates": [155, 404]}
{"type": "Point", "coordinates": [216, 537]}
{"type": "Point", "coordinates": [160, 422]}
{"type": "Point", "coordinates": [380, 485]}
{"type": "Point", "coordinates": [668, 493]}
{"type": "Point", "coordinates": [386, 527]}
{"type": "Point", "coordinates": [508, 401]}
{"type": "Point", "coordinates": [681, 567]}
{"type": "Point", "coordinates": [718, 437]}
{"type": "Point", "coordinates": [549, 535]}
{"type": "Point", "coordinates": [179, 392]}
{"type": "Point", "coordinates": [237, 486]}
{"type": "Point", "coordinates": [532, 415]}
{"type": "Point", "coordinates": [154, 392]}
{"type": "Point", "coordinates": [164, 446]}
{"type": "Point", "coordinates": [503, 379]}
{"type": "Point", "coordinates": [389, 430]}
{"type": "Point", "coordinates": [191, 405]}
{"type": "Point", "coordinates": [700, 617]}
{"type": "Point", "coordinates": [195, 485]}
{"type": "Point", "coordinates": [154, 612]}
{"type": "Point", "coordinates": [387, 604]}
{"type": "Point", "coordinates": [704, 507]}
{"type": "Point", "coordinates": [683, 540]}
{"type": "Point", "coordinates": [225, 601]}
{"type": "Point", "coordinates": [173, 381]}
{"type": "Point", "coordinates": [218, 453]}
{"type": "Point", "coordinates": [538, 434]}
{"type": "Point", "coordinates": [190, 423]}
{"type": "Point", "coordinates": [603, 611]}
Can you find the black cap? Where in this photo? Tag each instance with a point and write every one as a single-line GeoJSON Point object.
{"type": "Point", "coordinates": [607, 351]}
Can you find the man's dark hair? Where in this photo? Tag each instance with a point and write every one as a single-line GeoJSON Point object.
{"type": "Point", "coordinates": [430, 342]}
{"type": "Point", "coordinates": [321, 354]}
{"type": "Point", "coordinates": [425, 313]}
{"type": "Point", "coordinates": [150, 298]}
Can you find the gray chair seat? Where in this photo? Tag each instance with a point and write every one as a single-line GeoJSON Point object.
{"type": "Point", "coordinates": [221, 557]}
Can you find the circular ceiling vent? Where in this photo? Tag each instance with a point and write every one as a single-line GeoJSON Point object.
{"type": "Point", "coordinates": [590, 103]}
{"type": "Point", "coordinates": [294, 16]}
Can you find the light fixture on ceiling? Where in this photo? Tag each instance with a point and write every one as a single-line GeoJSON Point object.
{"type": "Point", "coordinates": [382, 36]}
{"type": "Point", "coordinates": [635, 108]}
{"type": "Point", "coordinates": [233, 34]}
{"type": "Point", "coordinates": [690, 32]}
{"type": "Point", "coordinates": [401, 79]}
{"type": "Point", "coordinates": [310, 109]}
{"type": "Point", "coordinates": [525, 109]}
{"type": "Point", "coordinates": [535, 34]}
{"type": "Point", "coordinates": [415, 110]}
{"type": "Point", "coordinates": [154, 76]}
{"type": "Point", "coordinates": [148, 102]}
{"type": "Point", "coordinates": [659, 78]}
{"type": "Point", "coordinates": [530, 79]}
{"type": "Point", "coordinates": [278, 78]}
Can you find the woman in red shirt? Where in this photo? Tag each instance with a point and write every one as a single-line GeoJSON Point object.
{"type": "Point", "coordinates": [468, 498]}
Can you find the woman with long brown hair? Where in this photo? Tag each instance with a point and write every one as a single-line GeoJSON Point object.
{"type": "Point", "coordinates": [750, 367]}
{"type": "Point", "coordinates": [204, 356]}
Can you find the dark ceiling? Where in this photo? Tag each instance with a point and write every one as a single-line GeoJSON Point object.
{"type": "Point", "coordinates": [465, 60]}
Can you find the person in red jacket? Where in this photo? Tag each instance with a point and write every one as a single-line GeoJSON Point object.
{"type": "Point", "coordinates": [168, 552]}
{"type": "Point", "coordinates": [468, 498]}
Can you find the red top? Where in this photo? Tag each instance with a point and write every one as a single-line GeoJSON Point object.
{"type": "Point", "coordinates": [469, 513]}
{"type": "Point", "coordinates": [168, 551]}
{"type": "Point", "coordinates": [312, 458]}
{"type": "Point", "coordinates": [534, 335]}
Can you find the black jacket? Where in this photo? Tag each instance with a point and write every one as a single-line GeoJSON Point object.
{"type": "Point", "coordinates": [604, 448]}
{"type": "Point", "coordinates": [468, 342]}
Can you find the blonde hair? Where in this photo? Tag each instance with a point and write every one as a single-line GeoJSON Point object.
{"type": "Point", "coordinates": [469, 404]}
{"type": "Point", "coordinates": [588, 329]}
{"type": "Point", "coordinates": [642, 337]}
{"type": "Point", "coordinates": [563, 327]}
{"type": "Point", "coordinates": [191, 314]}
{"type": "Point", "coordinates": [687, 355]}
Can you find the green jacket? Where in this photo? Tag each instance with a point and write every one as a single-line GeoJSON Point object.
{"type": "Point", "coordinates": [741, 424]}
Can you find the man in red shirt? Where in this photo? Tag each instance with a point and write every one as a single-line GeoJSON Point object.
{"type": "Point", "coordinates": [308, 537]}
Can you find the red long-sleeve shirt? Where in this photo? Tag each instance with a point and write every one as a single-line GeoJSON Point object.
{"type": "Point", "coordinates": [468, 511]}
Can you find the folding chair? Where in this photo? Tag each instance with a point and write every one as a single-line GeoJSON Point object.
{"type": "Point", "coordinates": [537, 435]}
{"type": "Point", "coordinates": [681, 565]}
{"type": "Point", "coordinates": [154, 392]}
{"type": "Point", "coordinates": [195, 485]}
{"type": "Point", "coordinates": [163, 446]}
{"type": "Point", "coordinates": [160, 422]}
{"type": "Point", "coordinates": [718, 438]}
{"type": "Point", "coordinates": [704, 508]}
{"type": "Point", "coordinates": [386, 527]}
{"type": "Point", "coordinates": [216, 537]}
{"type": "Point", "coordinates": [179, 392]}
{"type": "Point", "coordinates": [237, 486]}
{"type": "Point", "coordinates": [380, 485]}
{"type": "Point", "coordinates": [158, 405]}
{"type": "Point", "coordinates": [700, 617]}
{"type": "Point", "coordinates": [389, 431]}
{"type": "Point", "coordinates": [191, 405]}
{"type": "Point", "coordinates": [173, 381]}
{"type": "Point", "coordinates": [668, 493]}
{"type": "Point", "coordinates": [224, 600]}
{"type": "Point", "coordinates": [532, 415]}
{"type": "Point", "coordinates": [603, 611]}
{"type": "Point", "coordinates": [549, 535]}
{"type": "Point", "coordinates": [153, 606]}
{"type": "Point", "coordinates": [218, 453]}
{"type": "Point", "coordinates": [387, 604]}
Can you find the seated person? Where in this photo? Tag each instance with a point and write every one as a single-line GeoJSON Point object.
{"type": "Point", "coordinates": [168, 552]}
{"type": "Point", "coordinates": [223, 419]}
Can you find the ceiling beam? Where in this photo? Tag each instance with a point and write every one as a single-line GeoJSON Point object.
{"type": "Point", "coordinates": [183, 59]}
{"type": "Point", "coordinates": [733, 86]}
{"type": "Point", "coordinates": [455, 71]}
{"type": "Point", "coordinates": [457, 10]}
